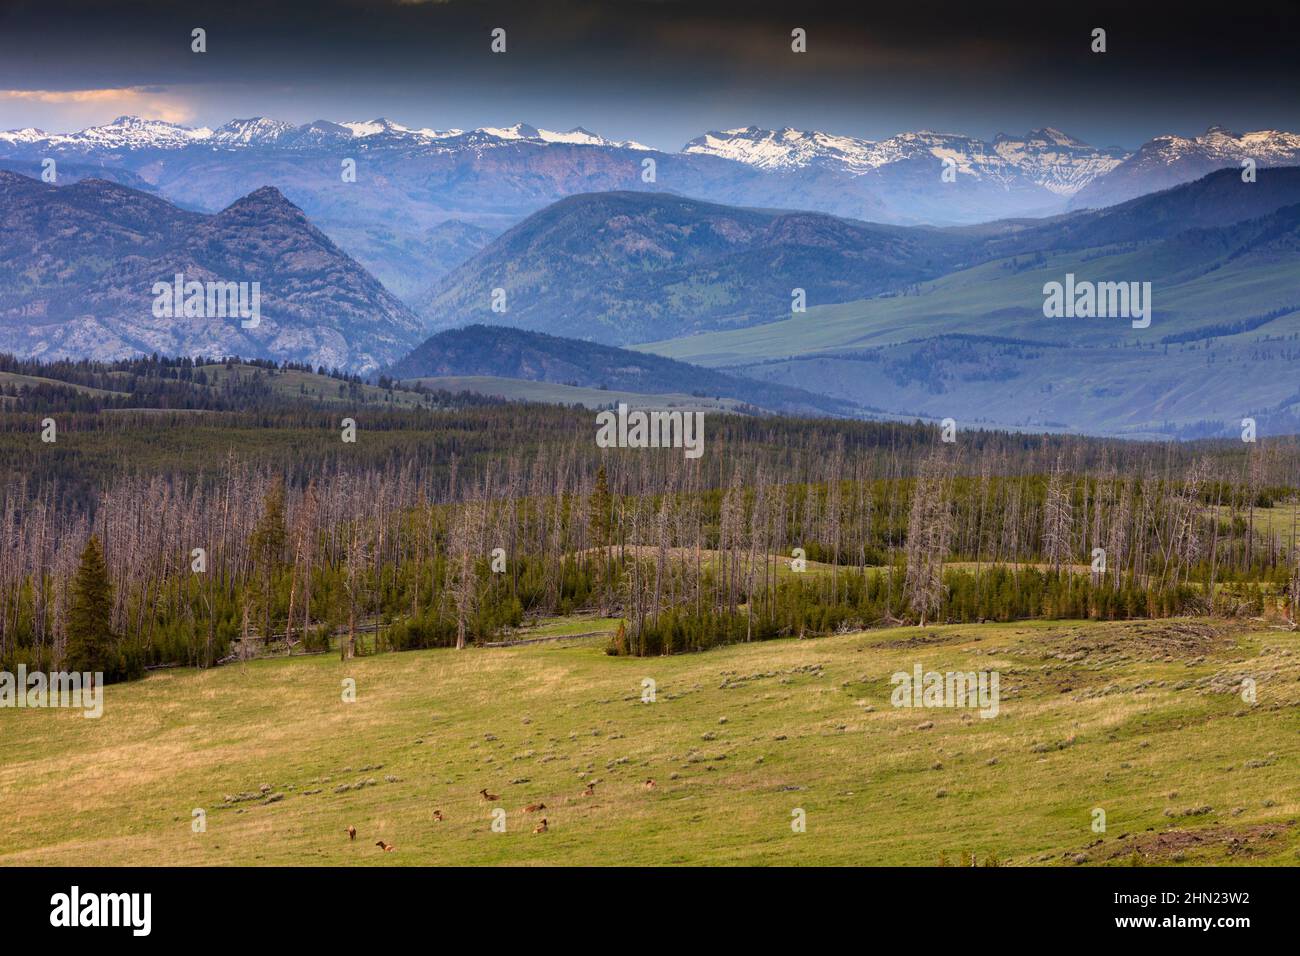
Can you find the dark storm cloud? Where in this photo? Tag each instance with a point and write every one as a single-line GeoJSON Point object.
{"type": "Point", "coordinates": [665, 71]}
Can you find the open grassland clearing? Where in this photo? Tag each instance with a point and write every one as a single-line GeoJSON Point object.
{"type": "Point", "coordinates": [1143, 719]}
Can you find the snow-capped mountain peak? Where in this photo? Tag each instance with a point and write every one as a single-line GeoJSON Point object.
{"type": "Point", "coordinates": [132, 132]}
{"type": "Point", "coordinates": [26, 135]}
{"type": "Point", "coordinates": [1054, 137]}
{"type": "Point", "coordinates": [1221, 143]}
{"type": "Point", "coordinates": [577, 136]}
{"type": "Point", "coordinates": [375, 127]}
{"type": "Point", "coordinates": [1171, 159]}
{"type": "Point", "coordinates": [518, 131]}
{"type": "Point", "coordinates": [259, 130]}
{"type": "Point", "coordinates": [785, 148]}
{"type": "Point", "coordinates": [1047, 157]}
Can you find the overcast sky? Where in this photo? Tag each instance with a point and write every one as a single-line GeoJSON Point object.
{"type": "Point", "coordinates": [659, 71]}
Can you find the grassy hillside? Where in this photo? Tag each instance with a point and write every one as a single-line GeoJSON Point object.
{"type": "Point", "coordinates": [296, 385]}
{"type": "Point", "coordinates": [1005, 299]}
{"type": "Point", "coordinates": [974, 345]}
{"type": "Point", "coordinates": [20, 381]}
{"type": "Point", "coordinates": [1143, 720]}
{"type": "Point", "coordinates": [503, 352]}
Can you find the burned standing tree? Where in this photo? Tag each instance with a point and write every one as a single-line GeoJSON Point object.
{"type": "Point", "coordinates": [462, 581]}
{"type": "Point", "coordinates": [928, 529]}
{"type": "Point", "coordinates": [1058, 516]}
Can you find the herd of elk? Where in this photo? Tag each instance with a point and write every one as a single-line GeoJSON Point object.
{"type": "Point", "coordinates": [542, 827]}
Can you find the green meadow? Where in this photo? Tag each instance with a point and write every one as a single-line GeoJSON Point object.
{"type": "Point", "coordinates": [1144, 720]}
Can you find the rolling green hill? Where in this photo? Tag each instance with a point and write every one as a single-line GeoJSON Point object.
{"type": "Point", "coordinates": [18, 381]}
{"type": "Point", "coordinates": [572, 367]}
{"type": "Point", "coordinates": [1142, 720]}
{"type": "Point", "coordinates": [974, 345]}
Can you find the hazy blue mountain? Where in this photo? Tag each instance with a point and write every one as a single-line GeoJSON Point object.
{"type": "Point", "coordinates": [1219, 199]}
{"type": "Point", "coordinates": [974, 345]}
{"type": "Point", "coordinates": [78, 264]}
{"type": "Point", "coordinates": [409, 181]}
{"type": "Point", "coordinates": [627, 267]}
{"type": "Point", "coordinates": [72, 171]}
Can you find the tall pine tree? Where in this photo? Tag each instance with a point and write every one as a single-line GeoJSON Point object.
{"type": "Point", "coordinates": [90, 616]}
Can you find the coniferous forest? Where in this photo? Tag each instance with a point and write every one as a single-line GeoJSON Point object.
{"type": "Point", "coordinates": [205, 524]}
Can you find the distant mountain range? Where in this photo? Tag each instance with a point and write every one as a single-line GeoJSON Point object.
{"type": "Point", "coordinates": [1046, 157]}
{"type": "Point", "coordinates": [136, 133]}
{"type": "Point", "coordinates": [1032, 174]}
{"type": "Point", "coordinates": [410, 181]}
{"type": "Point", "coordinates": [78, 266]}
{"type": "Point", "coordinates": [901, 320]}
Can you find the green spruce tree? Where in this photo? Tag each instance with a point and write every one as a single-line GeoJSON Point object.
{"type": "Point", "coordinates": [90, 616]}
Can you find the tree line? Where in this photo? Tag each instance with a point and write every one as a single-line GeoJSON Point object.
{"type": "Point", "coordinates": [444, 530]}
